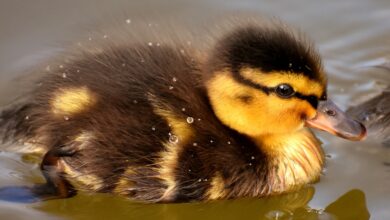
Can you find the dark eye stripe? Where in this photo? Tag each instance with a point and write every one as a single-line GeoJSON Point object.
{"type": "Point", "coordinates": [311, 99]}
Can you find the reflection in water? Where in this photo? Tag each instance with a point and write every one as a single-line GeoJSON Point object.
{"type": "Point", "coordinates": [351, 205]}
{"type": "Point", "coordinates": [10, 211]}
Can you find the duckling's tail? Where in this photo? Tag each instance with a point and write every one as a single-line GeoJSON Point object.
{"type": "Point", "coordinates": [15, 124]}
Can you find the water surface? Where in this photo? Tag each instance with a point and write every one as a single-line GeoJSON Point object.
{"type": "Point", "coordinates": [352, 36]}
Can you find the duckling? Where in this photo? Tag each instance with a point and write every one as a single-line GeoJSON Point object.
{"type": "Point", "coordinates": [375, 114]}
{"type": "Point", "coordinates": [158, 125]}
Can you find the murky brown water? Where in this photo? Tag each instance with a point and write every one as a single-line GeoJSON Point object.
{"type": "Point", "coordinates": [352, 36]}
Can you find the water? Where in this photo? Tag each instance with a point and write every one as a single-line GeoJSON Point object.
{"type": "Point", "coordinates": [352, 35]}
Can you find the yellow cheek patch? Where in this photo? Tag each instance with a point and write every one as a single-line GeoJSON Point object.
{"type": "Point", "coordinates": [70, 101]}
{"type": "Point", "coordinates": [223, 91]}
{"type": "Point", "coordinates": [299, 82]}
{"type": "Point", "coordinates": [288, 111]}
{"type": "Point", "coordinates": [264, 114]}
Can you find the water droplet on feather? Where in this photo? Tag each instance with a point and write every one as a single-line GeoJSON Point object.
{"type": "Point", "coordinates": [190, 120]}
{"type": "Point", "coordinates": [173, 139]}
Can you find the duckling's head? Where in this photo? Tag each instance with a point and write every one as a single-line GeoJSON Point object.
{"type": "Point", "coordinates": [270, 80]}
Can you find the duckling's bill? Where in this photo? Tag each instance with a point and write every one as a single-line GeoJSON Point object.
{"type": "Point", "coordinates": [332, 119]}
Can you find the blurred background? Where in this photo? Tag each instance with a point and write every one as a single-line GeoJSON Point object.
{"type": "Point", "coordinates": [353, 37]}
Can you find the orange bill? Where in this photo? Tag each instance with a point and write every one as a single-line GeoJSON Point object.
{"type": "Point", "coordinates": [332, 119]}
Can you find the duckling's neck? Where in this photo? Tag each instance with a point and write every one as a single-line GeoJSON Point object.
{"type": "Point", "coordinates": [295, 159]}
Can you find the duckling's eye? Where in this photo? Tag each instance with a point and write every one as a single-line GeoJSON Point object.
{"type": "Point", "coordinates": [284, 91]}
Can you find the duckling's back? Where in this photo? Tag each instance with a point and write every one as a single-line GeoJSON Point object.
{"type": "Point", "coordinates": [109, 114]}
